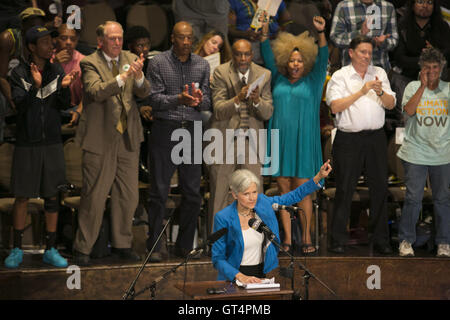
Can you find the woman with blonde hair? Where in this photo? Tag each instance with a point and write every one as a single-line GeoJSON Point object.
{"type": "Point", "coordinates": [212, 42]}
{"type": "Point", "coordinates": [298, 72]}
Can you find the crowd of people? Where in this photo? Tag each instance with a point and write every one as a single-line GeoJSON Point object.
{"type": "Point", "coordinates": [390, 57]}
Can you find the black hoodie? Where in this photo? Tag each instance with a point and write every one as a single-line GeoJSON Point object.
{"type": "Point", "coordinates": [38, 109]}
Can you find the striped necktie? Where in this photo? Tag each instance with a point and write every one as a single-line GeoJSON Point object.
{"type": "Point", "coordinates": [122, 123]}
{"type": "Point", "coordinates": [243, 110]}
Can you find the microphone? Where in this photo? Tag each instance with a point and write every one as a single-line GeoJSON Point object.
{"type": "Point", "coordinates": [278, 207]}
{"type": "Point", "coordinates": [260, 226]}
{"type": "Point", "coordinates": [210, 240]}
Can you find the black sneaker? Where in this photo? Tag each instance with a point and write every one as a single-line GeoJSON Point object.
{"type": "Point", "coordinates": [126, 254]}
{"type": "Point", "coordinates": [81, 259]}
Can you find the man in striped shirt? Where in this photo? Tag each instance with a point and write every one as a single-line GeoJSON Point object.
{"type": "Point", "coordinates": [373, 18]}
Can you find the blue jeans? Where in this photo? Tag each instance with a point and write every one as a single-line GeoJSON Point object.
{"type": "Point", "coordinates": [415, 178]}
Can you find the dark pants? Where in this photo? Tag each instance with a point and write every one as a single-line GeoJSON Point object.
{"type": "Point", "coordinates": [353, 153]}
{"type": "Point", "coordinates": [162, 169]}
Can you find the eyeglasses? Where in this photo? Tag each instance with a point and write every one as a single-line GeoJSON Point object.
{"type": "Point", "coordinates": [430, 2]}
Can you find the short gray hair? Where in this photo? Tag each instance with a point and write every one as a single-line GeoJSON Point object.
{"type": "Point", "coordinates": [432, 55]}
{"type": "Point", "coordinates": [242, 179]}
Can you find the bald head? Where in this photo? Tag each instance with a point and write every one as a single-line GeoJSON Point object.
{"type": "Point", "coordinates": [242, 55]}
{"type": "Point", "coordinates": [182, 26]}
{"type": "Point", "coordinates": [182, 36]}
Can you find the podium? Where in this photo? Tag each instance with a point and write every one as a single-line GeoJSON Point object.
{"type": "Point", "coordinates": [198, 291]}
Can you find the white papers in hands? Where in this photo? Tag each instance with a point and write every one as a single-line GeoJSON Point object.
{"type": "Point", "coordinates": [214, 61]}
{"type": "Point", "coordinates": [257, 83]}
{"type": "Point", "coordinates": [264, 284]}
{"type": "Point", "coordinates": [271, 6]}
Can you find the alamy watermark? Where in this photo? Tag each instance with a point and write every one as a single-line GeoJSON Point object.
{"type": "Point", "coordinates": [221, 150]}
{"type": "Point", "coordinates": [374, 281]}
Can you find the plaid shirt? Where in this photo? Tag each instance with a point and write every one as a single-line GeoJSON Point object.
{"type": "Point", "coordinates": [348, 19]}
{"type": "Point", "coordinates": [168, 76]}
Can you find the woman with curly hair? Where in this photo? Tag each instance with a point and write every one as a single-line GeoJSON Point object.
{"type": "Point", "coordinates": [212, 42]}
{"type": "Point", "coordinates": [298, 72]}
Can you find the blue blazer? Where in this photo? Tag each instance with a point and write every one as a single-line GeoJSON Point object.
{"type": "Point", "coordinates": [227, 252]}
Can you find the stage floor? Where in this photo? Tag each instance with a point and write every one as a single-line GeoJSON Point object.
{"type": "Point", "coordinates": [358, 274]}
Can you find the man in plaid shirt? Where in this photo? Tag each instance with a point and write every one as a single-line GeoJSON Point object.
{"type": "Point", "coordinates": [373, 18]}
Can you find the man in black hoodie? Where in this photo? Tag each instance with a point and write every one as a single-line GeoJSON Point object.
{"type": "Point", "coordinates": [39, 89]}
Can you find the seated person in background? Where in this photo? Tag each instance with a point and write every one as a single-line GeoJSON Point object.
{"type": "Point", "coordinates": [39, 90]}
{"type": "Point", "coordinates": [422, 27]}
{"type": "Point", "coordinates": [240, 18]}
{"type": "Point", "coordinates": [69, 58]}
{"type": "Point", "coordinates": [426, 151]}
{"type": "Point", "coordinates": [243, 253]}
{"type": "Point", "coordinates": [212, 42]}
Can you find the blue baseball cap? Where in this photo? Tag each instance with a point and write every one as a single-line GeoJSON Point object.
{"type": "Point", "coordinates": [38, 32]}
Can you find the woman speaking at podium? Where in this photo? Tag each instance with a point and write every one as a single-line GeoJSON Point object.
{"type": "Point", "coordinates": [245, 254]}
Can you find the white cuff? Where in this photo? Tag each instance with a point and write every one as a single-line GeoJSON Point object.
{"type": "Point", "coordinates": [140, 82]}
{"type": "Point", "coordinates": [119, 80]}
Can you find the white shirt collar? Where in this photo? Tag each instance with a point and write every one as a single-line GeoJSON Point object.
{"type": "Point", "coordinates": [108, 58]}
{"type": "Point", "coordinates": [244, 75]}
{"type": "Point", "coordinates": [370, 70]}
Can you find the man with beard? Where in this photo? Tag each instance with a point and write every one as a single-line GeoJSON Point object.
{"type": "Point", "coordinates": [422, 27]}
{"type": "Point", "coordinates": [237, 109]}
{"type": "Point", "coordinates": [179, 92]}
{"type": "Point", "coordinates": [358, 95]}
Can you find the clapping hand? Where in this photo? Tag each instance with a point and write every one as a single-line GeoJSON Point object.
{"type": "Point", "coordinates": [254, 95]}
{"type": "Point", "coordinates": [69, 78]}
{"type": "Point", "coordinates": [364, 28]}
{"type": "Point", "coordinates": [37, 77]}
{"type": "Point", "coordinates": [423, 75]}
{"type": "Point", "coordinates": [242, 94]}
{"type": "Point", "coordinates": [137, 66]}
{"type": "Point", "coordinates": [376, 85]}
{"type": "Point", "coordinates": [380, 39]}
{"type": "Point", "coordinates": [191, 100]}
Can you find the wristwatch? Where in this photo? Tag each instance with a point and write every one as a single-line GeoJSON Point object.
{"type": "Point", "coordinates": [382, 92]}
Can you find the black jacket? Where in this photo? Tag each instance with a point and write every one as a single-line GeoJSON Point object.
{"type": "Point", "coordinates": [38, 118]}
{"type": "Point", "coordinates": [412, 41]}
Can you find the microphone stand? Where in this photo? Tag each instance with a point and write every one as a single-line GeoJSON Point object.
{"type": "Point", "coordinates": [130, 293]}
{"type": "Point", "coordinates": [290, 270]}
{"type": "Point", "coordinates": [308, 274]}
{"type": "Point", "coordinates": [152, 286]}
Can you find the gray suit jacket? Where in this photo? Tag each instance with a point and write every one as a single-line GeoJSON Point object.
{"type": "Point", "coordinates": [102, 101]}
{"type": "Point", "coordinates": [226, 85]}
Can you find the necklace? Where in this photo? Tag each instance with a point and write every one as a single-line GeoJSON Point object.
{"type": "Point", "coordinates": [245, 215]}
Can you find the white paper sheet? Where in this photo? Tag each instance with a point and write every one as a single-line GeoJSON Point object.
{"type": "Point", "coordinates": [214, 61]}
{"type": "Point", "coordinates": [271, 6]}
{"type": "Point", "coordinates": [257, 83]}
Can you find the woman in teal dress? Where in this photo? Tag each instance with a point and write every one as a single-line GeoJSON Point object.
{"type": "Point", "coordinates": [297, 82]}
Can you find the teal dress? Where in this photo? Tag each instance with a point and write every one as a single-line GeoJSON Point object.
{"type": "Point", "coordinates": [296, 116]}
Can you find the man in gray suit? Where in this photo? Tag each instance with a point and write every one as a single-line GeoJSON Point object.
{"type": "Point", "coordinates": [110, 133]}
{"type": "Point", "coordinates": [234, 110]}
